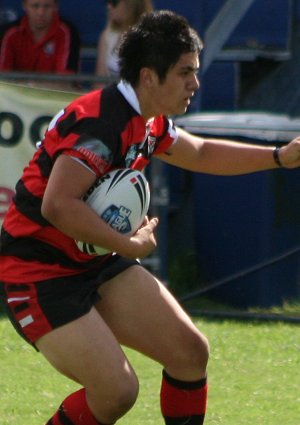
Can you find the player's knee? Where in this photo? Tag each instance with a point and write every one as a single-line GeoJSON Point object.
{"type": "Point", "coordinates": [193, 354]}
{"type": "Point", "coordinates": [118, 400]}
{"type": "Point", "coordinates": [197, 350]}
{"type": "Point", "coordinates": [202, 350]}
{"type": "Point", "coordinates": [126, 395]}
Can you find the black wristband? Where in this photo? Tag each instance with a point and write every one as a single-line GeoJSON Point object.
{"type": "Point", "coordinates": [276, 156]}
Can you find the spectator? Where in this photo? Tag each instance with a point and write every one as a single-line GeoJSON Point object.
{"type": "Point", "coordinates": [121, 15]}
{"type": "Point", "coordinates": [40, 41]}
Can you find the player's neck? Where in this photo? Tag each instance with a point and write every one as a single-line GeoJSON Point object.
{"type": "Point", "coordinates": [147, 106]}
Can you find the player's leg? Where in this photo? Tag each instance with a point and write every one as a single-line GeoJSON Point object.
{"type": "Point", "coordinates": [87, 351]}
{"type": "Point", "coordinates": [145, 316]}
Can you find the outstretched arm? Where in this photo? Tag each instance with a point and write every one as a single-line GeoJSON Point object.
{"type": "Point", "coordinates": [225, 157]}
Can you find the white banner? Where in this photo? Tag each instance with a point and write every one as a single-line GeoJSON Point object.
{"type": "Point", "coordinates": [24, 115]}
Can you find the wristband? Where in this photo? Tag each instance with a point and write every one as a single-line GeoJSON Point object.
{"type": "Point", "coordinates": [276, 156]}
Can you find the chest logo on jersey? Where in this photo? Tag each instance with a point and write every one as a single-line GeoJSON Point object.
{"type": "Point", "coordinates": [144, 149]}
{"type": "Point", "coordinates": [151, 144]}
{"type": "Point", "coordinates": [49, 48]}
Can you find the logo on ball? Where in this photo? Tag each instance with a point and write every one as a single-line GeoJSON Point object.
{"type": "Point", "coordinates": [118, 218]}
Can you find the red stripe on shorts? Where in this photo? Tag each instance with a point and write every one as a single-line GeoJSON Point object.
{"type": "Point", "coordinates": [22, 301]}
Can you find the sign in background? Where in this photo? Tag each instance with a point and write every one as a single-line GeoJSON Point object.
{"type": "Point", "coordinates": [24, 115]}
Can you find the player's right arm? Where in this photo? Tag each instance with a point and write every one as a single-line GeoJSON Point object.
{"type": "Point", "coordinates": [63, 207]}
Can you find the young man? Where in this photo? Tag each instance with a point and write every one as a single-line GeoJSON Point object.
{"type": "Point", "coordinates": [40, 41]}
{"type": "Point", "coordinates": [76, 309]}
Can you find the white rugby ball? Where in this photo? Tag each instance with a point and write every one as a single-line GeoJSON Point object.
{"type": "Point", "coordinates": [121, 198]}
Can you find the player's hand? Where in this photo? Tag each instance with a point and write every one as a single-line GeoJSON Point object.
{"type": "Point", "coordinates": [143, 242]}
{"type": "Point", "coordinates": [290, 154]}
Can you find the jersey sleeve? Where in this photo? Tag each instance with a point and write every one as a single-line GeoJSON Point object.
{"type": "Point", "coordinates": [167, 134]}
{"type": "Point", "coordinates": [82, 135]}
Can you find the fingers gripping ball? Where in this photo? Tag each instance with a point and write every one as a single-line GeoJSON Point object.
{"type": "Point", "coordinates": [121, 198]}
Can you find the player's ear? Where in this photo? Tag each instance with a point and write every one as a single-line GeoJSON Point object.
{"type": "Point", "coordinates": [148, 77]}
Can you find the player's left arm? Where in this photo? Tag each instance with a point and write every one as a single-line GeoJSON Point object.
{"type": "Point", "coordinates": [226, 157]}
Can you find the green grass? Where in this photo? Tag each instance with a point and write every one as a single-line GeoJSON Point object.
{"type": "Point", "coordinates": [254, 374]}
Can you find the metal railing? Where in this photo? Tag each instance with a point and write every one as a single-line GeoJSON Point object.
{"type": "Point", "coordinates": [19, 76]}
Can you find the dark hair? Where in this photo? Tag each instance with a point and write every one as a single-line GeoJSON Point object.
{"type": "Point", "coordinates": [156, 42]}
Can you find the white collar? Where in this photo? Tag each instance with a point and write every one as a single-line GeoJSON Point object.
{"type": "Point", "coordinates": [128, 92]}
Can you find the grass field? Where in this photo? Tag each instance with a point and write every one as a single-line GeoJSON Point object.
{"type": "Point", "coordinates": [254, 377]}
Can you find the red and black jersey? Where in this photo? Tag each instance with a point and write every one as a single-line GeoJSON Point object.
{"type": "Point", "coordinates": [57, 52]}
{"type": "Point", "coordinates": [104, 130]}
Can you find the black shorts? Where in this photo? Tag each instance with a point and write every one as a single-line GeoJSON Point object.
{"type": "Point", "coordinates": [38, 307]}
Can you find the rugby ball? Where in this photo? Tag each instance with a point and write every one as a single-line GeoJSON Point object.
{"type": "Point", "coordinates": [121, 198]}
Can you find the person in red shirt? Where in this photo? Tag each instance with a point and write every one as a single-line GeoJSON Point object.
{"type": "Point", "coordinates": [40, 41]}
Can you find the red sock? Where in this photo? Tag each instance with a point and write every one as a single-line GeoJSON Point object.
{"type": "Point", "coordinates": [74, 411]}
{"type": "Point", "coordinates": [183, 402]}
